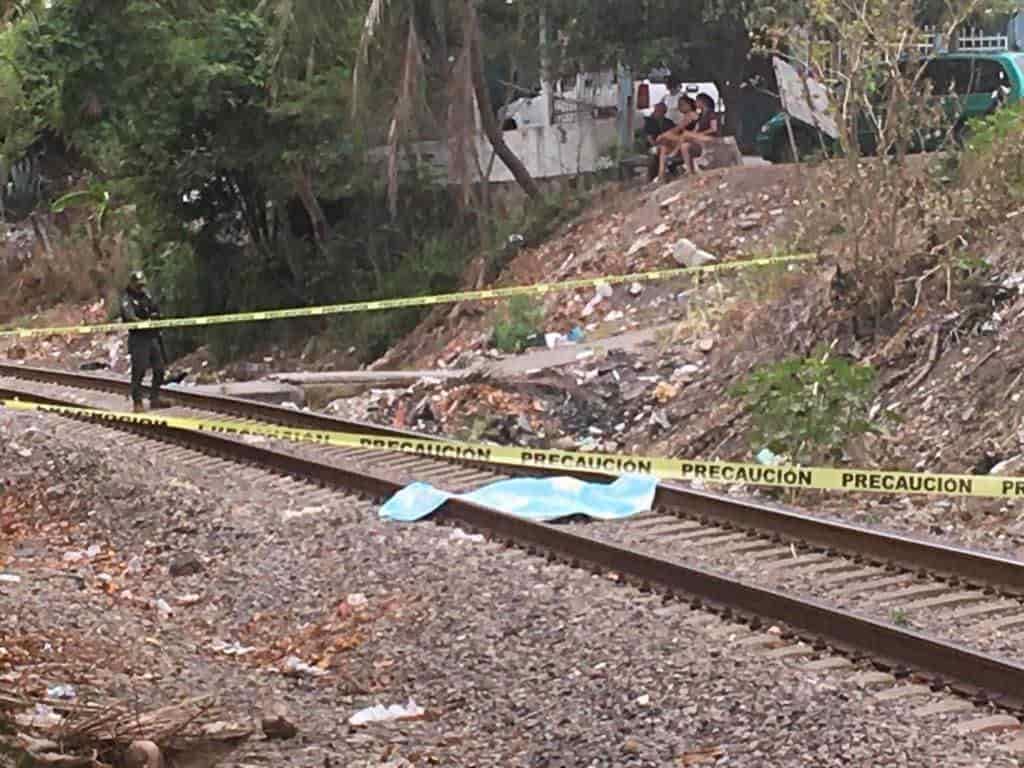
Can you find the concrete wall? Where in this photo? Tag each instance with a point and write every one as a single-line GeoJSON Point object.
{"type": "Point", "coordinates": [548, 152]}
{"type": "Point", "coordinates": [565, 149]}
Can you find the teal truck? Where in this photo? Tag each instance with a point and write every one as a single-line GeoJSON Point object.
{"type": "Point", "coordinates": [977, 83]}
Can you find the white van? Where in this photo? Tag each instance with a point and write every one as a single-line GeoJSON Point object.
{"type": "Point", "coordinates": [647, 94]}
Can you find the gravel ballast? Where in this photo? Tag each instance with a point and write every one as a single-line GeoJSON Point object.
{"type": "Point", "coordinates": [515, 661]}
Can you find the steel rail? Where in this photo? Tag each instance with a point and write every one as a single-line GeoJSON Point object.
{"type": "Point", "coordinates": [957, 564]}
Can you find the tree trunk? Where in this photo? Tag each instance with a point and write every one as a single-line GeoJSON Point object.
{"type": "Point", "coordinates": [734, 76]}
{"type": "Point", "coordinates": [306, 194]}
{"type": "Point", "coordinates": [487, 118]}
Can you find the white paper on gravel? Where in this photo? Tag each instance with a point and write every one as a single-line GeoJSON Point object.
{"type": "Point", "coordinates": [381, 714]}
{"type": "Point", "coordinates": [538, 499]}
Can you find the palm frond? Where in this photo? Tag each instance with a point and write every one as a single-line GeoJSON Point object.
{"type": "Point", "coordinates": [405, 108]}
{"type": "Point", "coordinates": [372, 22]}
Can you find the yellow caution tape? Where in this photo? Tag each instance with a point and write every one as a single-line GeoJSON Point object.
{"type": "Point", "coordinates": [413, 301]}
{"type": "Point", "coordinates": [821, 478]}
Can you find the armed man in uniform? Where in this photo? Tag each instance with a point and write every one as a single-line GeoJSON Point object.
{"type": "Point", "coordinates": [144, 345]}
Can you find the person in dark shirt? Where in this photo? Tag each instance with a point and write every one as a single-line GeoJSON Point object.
{"type": "Point", "coordinates": [658, 123]}
{"type": "Point", "coordinates": [144, 345]}
{"type": "Point", "coordinates": [707, 116]}
{"type": "Point", "coordinates": [655, 126]}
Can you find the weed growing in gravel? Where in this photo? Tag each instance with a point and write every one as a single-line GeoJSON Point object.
{"type": "Point", "coordinates": [807, 408]}
{"type": "Point", "coordinates": [899, 617]}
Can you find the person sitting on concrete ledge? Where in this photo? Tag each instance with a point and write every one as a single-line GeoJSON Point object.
{"type": "Point", "coordinates": [685, 140]}
{"type": "Point", "coordinates": [657, 124]}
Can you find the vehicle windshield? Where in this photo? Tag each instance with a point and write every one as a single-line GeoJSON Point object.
{"type": "Point", "coordinates": [962, 77]}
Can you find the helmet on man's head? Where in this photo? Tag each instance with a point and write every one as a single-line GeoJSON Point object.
{"type": "Point", "coordinates": [137, 278]}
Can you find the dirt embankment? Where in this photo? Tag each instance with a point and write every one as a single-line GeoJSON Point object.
{"type": "Point", "coordinates": [947, 362]}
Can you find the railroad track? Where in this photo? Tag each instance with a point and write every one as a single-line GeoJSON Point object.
{"type": "Point", "coordinates": [910, 606]}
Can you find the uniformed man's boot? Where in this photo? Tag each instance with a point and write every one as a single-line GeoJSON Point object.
{"type": "Point", "coordinates": [138, 408]}
{"type": "Point", "coordinates": [156, 404]}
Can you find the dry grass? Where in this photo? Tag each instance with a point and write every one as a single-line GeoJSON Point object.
{"type": "Point", "coordinates": [43, 264]}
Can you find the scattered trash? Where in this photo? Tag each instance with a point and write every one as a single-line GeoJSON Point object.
{"type": "Point", "coordinates": [163, 608]}
{"type": "Point", "coordinates": [660, 419]}
{"type": "Point", "coordinates": [231, 649]}
{"type": "Point", "coordinates": [662, 229]}
{"type": "Point", "coordinates": [382, 714]}
{"type": "Point", "coordinates": [685, 373]}
{"type": "Point", "coordinates": [643, 700]}
{"type": "Point", "coordinates": [603, 292]}
{"type": "Point", "coordinates": [357, 600]}
{"type": "Point", "coordinates": [460, 535]}
{"type": "Point", "coordinates": [635, 289]}
{"type": "Point", "coordinates": [766, 457]}
{"type": "Point", "coordinates": [62, 691]}
{"type": "Point", "coordinates": [576, 335]}
{"type": "Point", "coordinates": [614, 316]}
{"type": "Point", "coordinates": [297, 514]}
{"type": "Point", "coordinates": [665, 392]}
{"type": "Point", "coordinates": [1011, 466]}
{"type": "Point", "coordinates": [296, 667]}
{"type": "Point", "coordinates": [9, 578]}
{"type": "Point", "coordinates": [1014, 280]}
{"type": "Point", "coordinates": [554, 340]}
{"type": "Point", "coordinates": [78, 555]}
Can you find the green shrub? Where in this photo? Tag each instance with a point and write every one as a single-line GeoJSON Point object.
{"type": "Point", "coordinates": [432, 268]}
{"type": "Point", "coordinates": [807, 408]}
{"type": "Point", "coordinates": [518, 325]}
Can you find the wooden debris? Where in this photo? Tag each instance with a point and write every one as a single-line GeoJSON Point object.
{"type": "Point", "coordinates": [96, 736]}
{"type": "Point", "coordinates": [933, 359]}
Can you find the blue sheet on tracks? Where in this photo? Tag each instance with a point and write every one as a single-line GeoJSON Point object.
{"type": "Point", "coordinates": [539, 499]}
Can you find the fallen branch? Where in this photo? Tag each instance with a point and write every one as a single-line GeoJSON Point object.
{"type": "Point", "coordinates": [919, 283]}
{"type": "Point", "coordinates": [977, 366]}
{"type": "Point", "coordinates": [933, 359]}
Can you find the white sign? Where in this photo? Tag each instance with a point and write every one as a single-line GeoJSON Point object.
{"type": "Point", "coordinates": [804, 98]}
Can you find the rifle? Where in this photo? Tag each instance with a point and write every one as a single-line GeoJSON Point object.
{"type": "Point", "coordinates": [169, 378]}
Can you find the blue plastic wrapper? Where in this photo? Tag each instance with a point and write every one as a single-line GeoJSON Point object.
{"type": "Point", "coordinates": [538, 499]}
